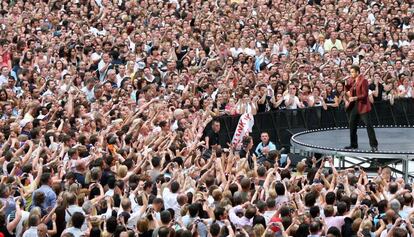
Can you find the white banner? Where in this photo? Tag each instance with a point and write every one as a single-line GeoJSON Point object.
{"type": "Point", "coordinates": [244, 127]}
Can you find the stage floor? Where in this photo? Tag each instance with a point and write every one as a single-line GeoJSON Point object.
{"type": "Point", "coordinates": [393, 142]}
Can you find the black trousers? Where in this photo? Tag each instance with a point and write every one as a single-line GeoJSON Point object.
{"type": "Point", "coordinates": [354, 118]}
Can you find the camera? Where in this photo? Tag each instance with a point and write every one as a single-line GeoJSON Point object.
{"type": "Point", "coordinates": [202, 188]}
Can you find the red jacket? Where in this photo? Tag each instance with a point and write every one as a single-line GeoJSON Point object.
{"type": "Point", "coordinates": [364, 106]}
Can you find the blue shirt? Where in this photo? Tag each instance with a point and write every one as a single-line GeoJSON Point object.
{"type": "Point", "coordinates": [50, 200]}
{"type": "Point", "coordinates": [10, 205]}
{"type": "Point", "coordinates": [201, 227]}
{"type": "Point", "coordinates": [260, 147]}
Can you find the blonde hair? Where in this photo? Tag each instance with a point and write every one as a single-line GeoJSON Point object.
{"type": "Point", "coordinates": [225, 202]}
{"type": "Point", "coordinates": [366, 225]}
{"type": "Point", "coordinates": [227, 194]}
{"type": "Point", "coordinates": [258, 229]}
{"type": "Point", "coordinates": [356, 215]}
{"type": "Point", "coordinates": [272, 193]}
{"type": "Point", "coordinates": [122, 171]}
{"type": "Point", "coordinates": [217, 194]}
{"type": "Point", "coordinates": [36, 211]}
{"type": "Point", "coordinates": [356, 224]}
{"type": "Point", "coordinates": [300, 167]}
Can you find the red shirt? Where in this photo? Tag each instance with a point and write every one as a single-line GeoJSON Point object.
{"type": "Point", "coordinates": [360, 87]}
{"type": "Point", "coordinates": [6, 59]}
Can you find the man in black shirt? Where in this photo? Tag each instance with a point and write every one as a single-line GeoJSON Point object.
{"type": "Point", "coordinates": [264, 103]}
{"type": "Point", "coordinates": [245, 152]}
{"type": "Point", "coordinates": [374, 84]}
{"type": "Point", "coordinates": [212, 138]}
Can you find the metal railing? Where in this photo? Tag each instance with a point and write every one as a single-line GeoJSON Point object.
{"type": "Point", "coordinates": [282, 124]}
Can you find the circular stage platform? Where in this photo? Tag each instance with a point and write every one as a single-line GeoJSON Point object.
{"type": "Point", "coordinates": [394, 142]}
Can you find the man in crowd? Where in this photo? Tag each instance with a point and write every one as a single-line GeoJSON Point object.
{"type": "Point", "coordinates": [265, 146]}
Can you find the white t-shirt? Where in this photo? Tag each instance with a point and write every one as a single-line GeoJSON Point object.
{"type": "Point", "coordinates": [101, 66]}
{"type": "Point", "coordinates": [236, 51]}
{"type": "Point", "coordinates": [97, 32]}
{"type": "Point", "coordinates": [119, 79]}
{"type": "Point", "coordinates": [19, 227]}
{"type": "Point", "coordinates": [31, 232]}
{"type": "Point", "coordinates": [268, 215]}
{"type": "Point", "coordinates": [75, 231]}
{"type": "Point", "coordinates": [89, 93]}
{"type": "Point", "coordinates": [371, 18]}
{"type": "Point", "coordinates": [312, 98]}
{"type": "Point", "coordinates": [295, 103]}
{"type": "Point", "coordinates": [250, 52]}
{"type": "Point", "coordinates": [329, 44]}
{"type": "Point", "coordinates": [3, 80]}
{"type": "Point", "coordinates": [170, 199]}
{"type": "Point", "coordinates": [409, 90]}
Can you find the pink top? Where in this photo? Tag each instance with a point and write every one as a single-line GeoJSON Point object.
{"type": "Point", "coordinates": [337, 221]}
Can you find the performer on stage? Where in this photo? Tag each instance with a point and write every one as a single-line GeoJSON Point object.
{"type": "Point", "coordinates": [358, 108]}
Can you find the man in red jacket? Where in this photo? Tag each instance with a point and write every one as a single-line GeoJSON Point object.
{"type": "Point", "coordinates": [359, 107]}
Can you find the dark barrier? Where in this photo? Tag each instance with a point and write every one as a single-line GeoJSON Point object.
{"type": "Point", "coordinates": [281, 125]}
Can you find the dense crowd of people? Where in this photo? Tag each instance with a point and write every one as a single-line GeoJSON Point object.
{"type": "Point", "coordinates": [104, 104]}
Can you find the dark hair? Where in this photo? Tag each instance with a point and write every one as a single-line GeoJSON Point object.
{"type": "Point", "coordinates": [5, 92]}
{"type": "Point", "coordinates": [111, 182]}
{"type": "Point", "coordinates": [310, 199]}
{"type": "Point", "coordinates": [285, 173]}
{"type": "Point", "coordinates": [245, 183]}
{"type": "Point", "coordinates": [156, 161]}
{"type": "Point", "coordinates": [393, 188]}
{"type": "Point", "coordinates": [111, 224]}
{"type": "Point", "coordinates": [193, 210]}
{"type": "Point", "coordinates": [341, 208]}
{"type": "Point", "coordinates": [164, 231]}
{"type": "Point", "coordinates": [78, 219]}
{"type": "Point", "coordinates": [34, 220]}
{"type": "Point", "coordinates": [356, 68]}
{"type": "Point", "coordinates": [175, 186]}
{"type": "Point", "coordinates": [246, 141]}
{"type": "Point", "coordinates": [183, 233]}
{"type": "Point", "coordinates": [215, 229]}
{"type": "Point", "coordinates": [261, 171]}
{"type": "Point", "coordinates": [165, 217]}
{"type": "Point", "coordinates": [314, 211]}
{"type": "Point", "coordinates": [280, 189]}
{"type": "Point", "coordinates": [250, 212]}
{"type": "Point", "coordinates": [382, 206]}
{"type": "Point", "coordinates": [285, 211]}
{"type": "Point", "coordinates": [273, 155]}
{"type": "Point", "coordinates": [314, 227]}
{"type": "Point", "coordinates": [270, 203]}
{"type": "Point", "coordinates": [259, 220]}
{"type": "Point", "coordinates": [95, 232]}
{"type": "Point", "coordinates": [400, 232]}
{"type": "Point", "coordinates": [334, 231]}
{"type": "Point", "coordinates": [330, 198]}
{"type": "Point", "coordinates": [157, 201]}
{"type": "Point", "coordinates": [302, 231]}
{"type": "Point", "coordinates": [408, 198]}
{"type": "Point", "coordinates": [215, 121]}
{"type": "Point", "coordinates": [45, 178]}
{"type": "Point", "coordinates": [219, 211]}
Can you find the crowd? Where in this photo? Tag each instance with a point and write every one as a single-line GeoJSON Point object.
{"type": "Point", "coordinates": [104, 104]}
